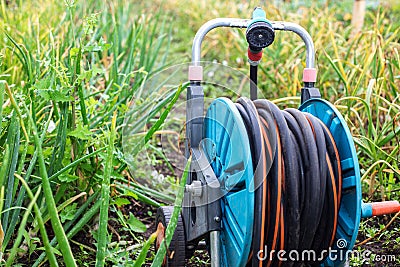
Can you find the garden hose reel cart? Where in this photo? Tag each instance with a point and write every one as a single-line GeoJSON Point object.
{"type": "Point", "coordinates": [265, 178]}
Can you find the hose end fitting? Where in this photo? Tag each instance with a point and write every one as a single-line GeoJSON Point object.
{"type": "Point", "coordinates": [254, 57]}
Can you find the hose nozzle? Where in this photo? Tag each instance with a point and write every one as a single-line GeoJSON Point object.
{"type": "Point", "coordinates": [259, 33]}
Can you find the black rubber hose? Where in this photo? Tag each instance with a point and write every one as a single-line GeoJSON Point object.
{"type": "Point", "coordinates": [309, 217]}
{"type": "Point", "coordinates": [291, 180]}
{"type": "Point", "coordinates": [297, 180]}
{"type": "Point", "coordinates": [298, 139]}
{"type": "Point", "coordinates": [253, 82]}
{"type": "Point", "coordinates": [320, 237]}
{"type": "Point", "coordinates": [250, 117]}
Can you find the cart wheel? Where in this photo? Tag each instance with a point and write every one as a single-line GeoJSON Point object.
{"type": "Point", "coordinates": [176, 251]}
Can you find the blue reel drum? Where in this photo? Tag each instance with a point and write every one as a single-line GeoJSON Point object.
{"type": "Point", "coordinates": [227, 148]}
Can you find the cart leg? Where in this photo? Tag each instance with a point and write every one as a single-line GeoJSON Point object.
{"type": "Point", "coordinates": [215, 249]}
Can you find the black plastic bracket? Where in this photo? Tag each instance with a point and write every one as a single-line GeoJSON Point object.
{"type": "Point", "coordinates": [202, 208]}
{"type": "Point", "coordinates": [308, 93]}
{"type": "Point", "coordinates": [194, 116]}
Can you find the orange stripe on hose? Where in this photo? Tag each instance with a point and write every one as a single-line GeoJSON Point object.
{"type": "Point", "coordinates": [338, 161]}
{"type": "Point", "coordinates": [282, 247]}
{"type": "Point", "coordinates": [261, 248]}
{"type": "Point", "coordinates": [339, 188]}
{"type": "Point", "coordinates": [278, 201]}
{"type": "Point", "coordinates": [283, 177]}
{"type": "Point", "coordinates": [269, 208]}
{"type": "Point", "coordinates": [266, 138]}
{"type": "Point", "coordinates": [282, 219]}
{"type": "Point", "coordinates": [332, 175]}
{"type": "Point", "coordinates": [250, 256]}
{"type": "Point", "coordinates": [264, 198]}
{"type": "Point", "coordinates": [312, 126]}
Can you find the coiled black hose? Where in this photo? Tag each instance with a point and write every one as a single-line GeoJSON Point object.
{"type": "Point", "coordinates": [297, 177]}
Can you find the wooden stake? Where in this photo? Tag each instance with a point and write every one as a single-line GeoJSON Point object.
{"type": "Point", "coordinates": [357, 20]}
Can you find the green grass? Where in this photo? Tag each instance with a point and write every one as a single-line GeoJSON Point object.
{"type": "Point", "coordinates": [66, 67]}
{"type": "Point", "coordinates": [71, 70]}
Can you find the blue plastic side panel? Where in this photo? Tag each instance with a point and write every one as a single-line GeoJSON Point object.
{"type": "Point", "coordinates": [227, 148]}
{"type": "Point", "coordinates": [350, 207]}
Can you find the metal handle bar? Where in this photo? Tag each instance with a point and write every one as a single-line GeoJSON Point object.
{"type": "Point", "coordinates": [243, 23]}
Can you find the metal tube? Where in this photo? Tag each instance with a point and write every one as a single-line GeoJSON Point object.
{"type": "Point", "coordinates": [293, 27]}
{"type": "Point", "coordinates": [215, 249]}
{"type": "Point", "coordinates": [208, 26]}
{"type": "Point", "coordinates": [243, 23]}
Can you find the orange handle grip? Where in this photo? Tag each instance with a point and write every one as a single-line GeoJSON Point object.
{"type": "Point", "coordinates": [386, 207]}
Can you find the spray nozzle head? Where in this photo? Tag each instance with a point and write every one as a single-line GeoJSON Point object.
{"type": "Point", "coordinates": [259, 33]}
